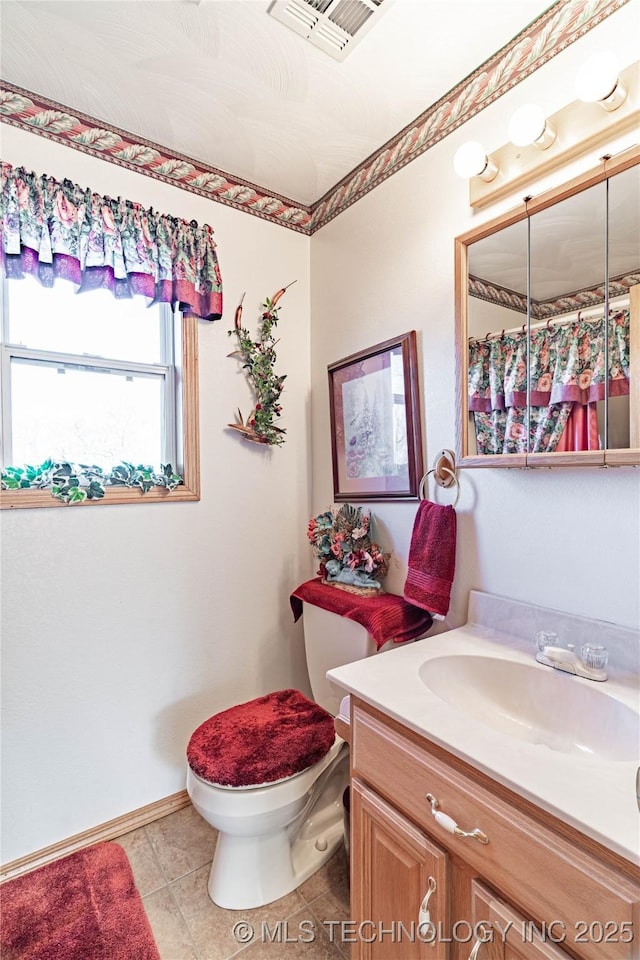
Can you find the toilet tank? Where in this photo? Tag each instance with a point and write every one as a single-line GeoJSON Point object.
{"type": "Point", "coordinates": [330, 641]}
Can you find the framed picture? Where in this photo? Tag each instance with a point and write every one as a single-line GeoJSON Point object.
{"type": "Point", "coordinates": [376, 435]}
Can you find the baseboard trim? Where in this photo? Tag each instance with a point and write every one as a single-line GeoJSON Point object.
{"type": "Point", "coordinates": [105, 831]}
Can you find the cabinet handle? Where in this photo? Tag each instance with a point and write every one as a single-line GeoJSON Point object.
{"type": "Point", "coordinates": [424, 915]}
{"type": "Point", "coordinates": [484, 938]}
{"type": "Point", "coordinates": [475, 950]}
{"type": "Point", "coordinates": [451, 826]}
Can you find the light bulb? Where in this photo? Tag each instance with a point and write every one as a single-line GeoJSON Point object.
{"type": "Point", "coordinates": [471, 160]}
{"type": "Point", "coordinates": [529, 125]}
{"type": "Point", "coordinates": [597, 81]}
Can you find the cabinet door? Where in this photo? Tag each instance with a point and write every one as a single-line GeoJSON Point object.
{"type": "Point", "coordinates": [501, 933]}
{"type": "Point", "coordinates": [393, 866]}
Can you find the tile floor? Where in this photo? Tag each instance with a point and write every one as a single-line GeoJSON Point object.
{"type": "Point", "coordinates": [170, 860]}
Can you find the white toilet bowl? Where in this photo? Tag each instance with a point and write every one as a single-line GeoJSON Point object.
{"type": "Point", "coordinates": [272, 837]}
{"type": "Point", "coordinates": [275, 833]}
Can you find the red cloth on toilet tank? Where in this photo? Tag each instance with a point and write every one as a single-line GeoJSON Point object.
{"type": "Point", "coordinates": [260, 741]}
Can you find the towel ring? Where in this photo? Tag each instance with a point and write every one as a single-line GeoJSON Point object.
{"type": "Point", "coordinates": [444, 470]}
{"type": "Point", "coordinates": [453, 480]}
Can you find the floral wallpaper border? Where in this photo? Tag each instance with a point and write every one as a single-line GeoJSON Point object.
{"type": "Point", "coordinates": [553, 31]}
{"type": "Point", "coordinates": [29, 111]}
{"type": "Point", "coordinates": [542, 309]}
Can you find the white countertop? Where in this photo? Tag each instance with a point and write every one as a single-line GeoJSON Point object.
{"type": "Point", "coordinates": [594, 794]}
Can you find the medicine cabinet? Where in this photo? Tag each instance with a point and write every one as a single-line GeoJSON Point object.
{"type": "Point", "coordinates": [548, 327]}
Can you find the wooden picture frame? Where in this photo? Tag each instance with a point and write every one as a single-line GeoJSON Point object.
{"type": "Point", "coordinates": [376, 433]}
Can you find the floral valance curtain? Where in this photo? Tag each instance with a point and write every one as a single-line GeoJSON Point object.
{"type": "Point", "coordinates": [567, 366]}
{"type": "Point", "coordinates": [57, 229]}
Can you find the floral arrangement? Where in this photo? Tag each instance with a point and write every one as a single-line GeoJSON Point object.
{"type": "Point", "coordinates": [259, 357]}
{"type": "Point", "coordinates": [75, 482]}
{"type": "Point", "coordinates": [341, 541]}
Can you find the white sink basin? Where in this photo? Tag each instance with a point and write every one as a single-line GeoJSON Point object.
{"type": "Point", "coordinates": [537, 704]}
{"type": "Point", "coordinates": [570, 746]}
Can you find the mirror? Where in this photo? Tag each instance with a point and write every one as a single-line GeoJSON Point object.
{"type": "Point", "coordinates": [624, 278]}
{"type": "Point", "coordinates": [497, 325]}
{"type": "Point", "coordinates": [545, 380]}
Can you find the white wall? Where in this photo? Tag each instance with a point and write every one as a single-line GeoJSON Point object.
{"type": "Point", "coordinates": [126, 626]}
{"type": "Point", "coordinates": [564, 538]}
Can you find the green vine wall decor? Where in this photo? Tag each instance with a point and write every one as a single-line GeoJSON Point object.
{"type": "Point", "coordinates": [75, 482]}
{"type": "Point", "coordinates": [259, 357]}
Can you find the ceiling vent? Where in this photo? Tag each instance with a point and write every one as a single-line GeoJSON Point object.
{"type": "Point", "coordinates": [334, 26]}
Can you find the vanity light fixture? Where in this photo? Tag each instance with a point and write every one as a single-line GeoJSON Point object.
{"type": "Point", "coordinates": [598, 82]}
{"type": "Point", "coordinates": [581, 127]}
{"type": "Point", "coordinates": [471, 160]}
{"type": "Point", "coordinates": [528, 125]}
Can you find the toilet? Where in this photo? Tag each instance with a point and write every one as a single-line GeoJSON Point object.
{"type": "Point", "coordinates": [273, 834]}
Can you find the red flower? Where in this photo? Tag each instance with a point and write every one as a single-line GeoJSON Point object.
{"type": "Point", "coordinates": [66, 211]}
{"type": "Point", "coordinates": [108, 219]}
{"type": "Point", "coordinates": [23, 194]}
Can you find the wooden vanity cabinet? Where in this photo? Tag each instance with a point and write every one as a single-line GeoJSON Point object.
{"type": "Point", "coordinates": [537, 890]}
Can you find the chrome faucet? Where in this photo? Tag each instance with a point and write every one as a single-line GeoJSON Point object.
{"type": "Point", "coordinates": [590, 664]}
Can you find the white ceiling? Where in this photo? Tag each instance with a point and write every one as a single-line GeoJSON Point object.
{"type": "Point", "coordinates": [222, 82]}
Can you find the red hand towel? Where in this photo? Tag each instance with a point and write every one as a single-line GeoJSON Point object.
{"type": "Point", "coordinates": [384, 618]}
{"type": "Point", "coordinates": [432, 558]}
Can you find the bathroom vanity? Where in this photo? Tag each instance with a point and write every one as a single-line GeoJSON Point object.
{"type": "Point", "coordinates": [493, 806]}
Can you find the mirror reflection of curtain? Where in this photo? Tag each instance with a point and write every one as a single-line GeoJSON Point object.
{"type": "Point", "coordinates": [581, 430]}
{"type": "Point", "coordinates": [567, 377]}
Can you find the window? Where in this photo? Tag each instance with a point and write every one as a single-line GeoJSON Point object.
{"type": "Point", "coordinates": [95, 380]}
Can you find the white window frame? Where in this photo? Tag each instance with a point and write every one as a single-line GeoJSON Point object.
{"type": "Point", "coordinates": [180, 434]}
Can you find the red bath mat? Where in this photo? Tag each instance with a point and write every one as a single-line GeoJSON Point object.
{"type": "Point", "coordinates": [83, 907]}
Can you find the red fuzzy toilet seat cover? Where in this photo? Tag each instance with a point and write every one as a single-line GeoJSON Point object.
{"type": "Point", "coordinates": [266, 739]}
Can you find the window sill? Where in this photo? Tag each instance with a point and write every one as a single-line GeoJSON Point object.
{"type": "Point", "coordinates": [25, 499]}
